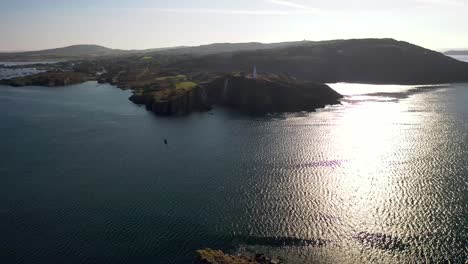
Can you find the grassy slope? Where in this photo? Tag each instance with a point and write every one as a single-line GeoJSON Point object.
{"type": "Point", "coordinates": [363, 60]}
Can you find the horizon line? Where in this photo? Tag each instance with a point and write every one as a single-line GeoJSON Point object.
{"type": "Point", "coordinates": [212, 43]}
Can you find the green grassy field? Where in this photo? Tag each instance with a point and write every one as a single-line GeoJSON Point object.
{"type": "Point", "coordinates": [187, 85]}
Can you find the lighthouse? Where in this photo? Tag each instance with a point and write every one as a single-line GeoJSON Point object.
{"type": "Point", "coordinates": [254, 74]}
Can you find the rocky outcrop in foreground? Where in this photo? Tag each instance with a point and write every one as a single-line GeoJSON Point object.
{"type": "Point", "coordinates": [210, 256]}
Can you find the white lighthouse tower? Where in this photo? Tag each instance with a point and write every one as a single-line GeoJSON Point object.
{"type": "Point", "coordinates": [254, 74]}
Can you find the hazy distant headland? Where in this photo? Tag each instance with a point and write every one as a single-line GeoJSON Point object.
{"type": "Point", "coordinates": [457, 52]}
{"type": "Point", "coordinates": [290, 78]}
{"type": "Point", "coordinates": [95, 51]}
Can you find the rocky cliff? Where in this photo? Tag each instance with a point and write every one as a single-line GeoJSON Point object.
{"type": "Point", "coordinates": [270, 94]}
{"type": "Point", "coordinates": [173, 103]}
{"type": "Point", "coordinates": [254, 96]}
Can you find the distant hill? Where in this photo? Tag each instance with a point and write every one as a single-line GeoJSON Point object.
{"type": "Point", "coordinates": [226, 47]}
{"type": "Point", "coordinates": [355, 60]}
{"type": "Point", "coordinates": [94, 51]}
{"type": "Point", "coordinates": [456, 52]}
{"type": "Point", "coordinates": [70, 52]}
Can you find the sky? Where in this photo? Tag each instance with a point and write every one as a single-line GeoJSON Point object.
{"type": "Point", "coordinates": [142, 24]}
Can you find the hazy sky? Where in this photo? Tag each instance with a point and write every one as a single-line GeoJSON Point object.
{"type": "Point", "coordinates": [138, 24]}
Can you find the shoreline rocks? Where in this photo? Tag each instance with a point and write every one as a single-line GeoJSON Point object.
{"type": "Point", "coordinates": [210, 256]}
{"type": "Point", "coordinates": [176, 95]}
{"type": "Point", "coordinates": [193, 100]}
{"type": "Point", "coordinates": [49, 79]}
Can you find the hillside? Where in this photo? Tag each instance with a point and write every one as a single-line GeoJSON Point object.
{"type": "Point", "coordinates": [75, 52]}
{"type": "Point", "coordinates": [355, 60]}
{"type": "Point", "coordinates": [226, 47]}
{"type": "Point", "coordinates": [70, 52]}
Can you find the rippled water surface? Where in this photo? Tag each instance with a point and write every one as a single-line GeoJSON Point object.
{"type": "Point", "coordinates": [85, 177]}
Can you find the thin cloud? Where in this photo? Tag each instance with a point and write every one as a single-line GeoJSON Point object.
{"type": "Point", "coordinates": [287, 3]}
{"type": "Point", "coordinates": [229, 11]}
{"type": "Point", "coordinates": [442, 2]}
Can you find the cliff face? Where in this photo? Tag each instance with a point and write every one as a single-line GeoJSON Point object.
{"type": "Point", "coordinates": [254, 96]}
{"type": "Point", "coordinates": [265, 95]}
{"type": "Point", "coordinates": [193, 100]}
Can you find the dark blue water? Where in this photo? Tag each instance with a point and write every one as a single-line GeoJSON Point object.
{"type": "Point", "coordinates": [86, 178]}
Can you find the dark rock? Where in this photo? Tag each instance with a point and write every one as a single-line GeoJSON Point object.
{"type": "Point", "coordinates": [193, 100]}
{"type": "Point", "coordinates": [270, 95]}
{"type": "Point", "coordinates": [209, 256]}
{"type": "Point", "coordinates": [254, 96]}
{"type": "Point", "coordinates": [281, 241]}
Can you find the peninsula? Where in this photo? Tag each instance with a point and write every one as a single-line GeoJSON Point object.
{"type": "Point", "coordinates": [291, 76]}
